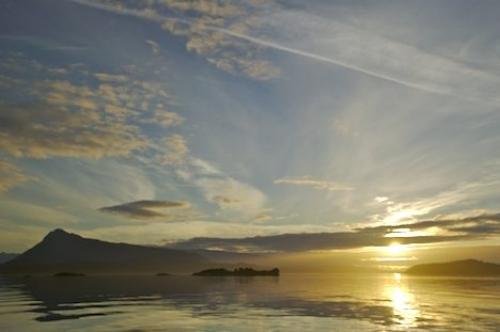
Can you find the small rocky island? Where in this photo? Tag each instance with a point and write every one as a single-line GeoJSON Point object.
{"type": "Point", "coordinates": [163, 274]}
{"type": "Point", "coordinates": [239, 272]}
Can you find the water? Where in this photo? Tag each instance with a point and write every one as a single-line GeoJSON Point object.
{"type": "Point", "coordinates": [291, 302]}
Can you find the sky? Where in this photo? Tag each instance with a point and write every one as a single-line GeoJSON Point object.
{"type": "Point", "coordinates": [258, 125]}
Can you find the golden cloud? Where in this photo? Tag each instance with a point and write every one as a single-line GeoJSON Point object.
{"type": "Point", "coordinates": [308, 181]}
{"type": "Point", "coordinates": [207, 26]}
{"type": "Point", "coordinates": [97, 117]}
{"type": "Point", "coordinates": [176, 150]}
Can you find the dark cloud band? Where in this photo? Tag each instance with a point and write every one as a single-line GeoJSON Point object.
{"type": "Point", "coordinates": [144, 209]}
{"type": "Point", "coordinates": [451, 230]}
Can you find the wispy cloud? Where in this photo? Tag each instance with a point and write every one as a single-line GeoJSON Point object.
{"type": "Point", "coordinates": [155, 48]}
{"type": "Point", "coordinates": [375, 55]}
{"type": "Point", "coordinates": [336, 43]}
{"type": "Point", "coordinates": [42, 43]}
{"type": "Point", "coordinates": [308, 181]}
{"type": "Point", "coordinates": [11, 176]}
{"type": "Point", "coordinates": [208, 27]}
{"type": "Point", "coordinates": [400, 212]}
{"type": "Point", "coordinates": [35, 213]}
{"type": "Point", "coordinates": [227, 193]}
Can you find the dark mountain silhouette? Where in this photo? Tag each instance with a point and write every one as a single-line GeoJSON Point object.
{"type": "Point", "coordinates": [468, 267]}
{"type": "Point", "coordinates": [5, 257]}
{"type": "Point", "coordinates": [62, 251]}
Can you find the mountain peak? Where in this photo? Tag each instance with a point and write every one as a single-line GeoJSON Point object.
{"type": "Point", "coordinates": [59, 233]}
{"type": "Point", "coordinates": [63, 251]}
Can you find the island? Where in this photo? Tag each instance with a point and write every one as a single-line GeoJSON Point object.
{"type": "Point", "coordinates": [68, 274]}
{"type": "Point", "coordinates": [468, 267]}
{"type": "Point", "coordinates": [162, 274]}
{"type": "Point", "coordinates": [239, 272]}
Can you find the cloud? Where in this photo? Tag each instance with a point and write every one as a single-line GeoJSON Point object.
{"type": "Point", "coordinates": [309, 181]}
{"type": "Point", "coordinates": [158, 232]}
{"type": "Point", "coordinates": [145, 209]}
{"type": "Point", "coordinates": [43, 43]}
{"type": "Point", "coordinates": [221, 44]}
{"type": "Point", "coordinates": [97, 115]}
{"type": "Point", "coordinates": [167, 119]}
{"type": "Point", "coordinates": [227, 193]}
{"type": "Point", "coordinates": [44, 130]}
{"type": "Point", "coordinates": [176, 150]}
{"type": "Point", "coordinates": [210, 28]}
{"type": "Point", "coordinates": [397, 212]}
{"type": "Point", "coordinates": [231, 41]}
{"type": "Point", "coordinates": [11, 176]}
{"type": "Point", "coordinates": [230, 194]}
{"type": "Point", "coordinates": [462, 224]}
{"type": "Point", "coordinates": [381, 199]}
{"type": "Point", "coordinates": [263, 217]}
{"type": "Point", "coordinates": [93, 117]}
{"type": "Point", "coordinates": [155, 48]}
{"type": "Point", "coordinates": [473, 228]}
{"type": "Point", "coordinates": [36, 214]}
{"type": "Point", "coordinates": [223, 200]}
{"type": "Point", "coordinates": [364, 51]}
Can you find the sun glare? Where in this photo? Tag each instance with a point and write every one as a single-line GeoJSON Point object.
{"type": "Point", "coordinates": [395, 249]}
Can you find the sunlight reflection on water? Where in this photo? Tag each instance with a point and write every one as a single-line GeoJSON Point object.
{"type": "Point", "coordinates": [403, 301]}
{"type": "Point", "coordinates": [323, 302]}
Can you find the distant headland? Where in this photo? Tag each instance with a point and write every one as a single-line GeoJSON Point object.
{"type": "Point", "coordinates": [240, 272]}
{"type": "Point", "coordinates": [468, 267]}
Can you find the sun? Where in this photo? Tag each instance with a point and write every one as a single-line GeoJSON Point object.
{"type": "Point", "coordinates": [395, 249]}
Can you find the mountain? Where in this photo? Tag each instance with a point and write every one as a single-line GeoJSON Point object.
{"type": "Point", "coordinates": [5, 257]}
{"type": "Point", "coordinates": [62, 251]}
{"type": "Point", "coordinates": [468, 267]}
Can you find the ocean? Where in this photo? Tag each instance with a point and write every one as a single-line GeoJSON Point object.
{"type": "Point", "coordinates": [290, 302]}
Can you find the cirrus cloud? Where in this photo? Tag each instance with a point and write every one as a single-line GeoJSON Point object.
{"type": "Point", "coordinates": [210, 28]}
{"type": "Point", "coordinates": [308, 181]}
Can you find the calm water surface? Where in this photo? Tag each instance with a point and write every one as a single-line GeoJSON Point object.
{"type": "Point", "coordinates": [291, 302]}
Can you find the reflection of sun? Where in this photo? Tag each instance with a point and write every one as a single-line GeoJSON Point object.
{"type": "Point", "coordinates": [395, 249]}
{"type": "Point", "coordinates": [399, 299]}
{"type": "Point", "coordinates": [403, 302]}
